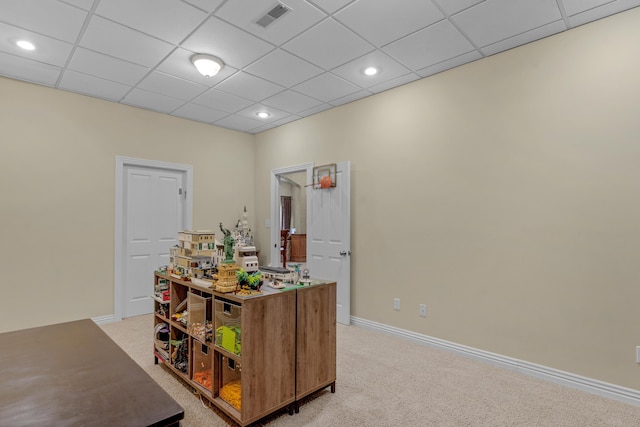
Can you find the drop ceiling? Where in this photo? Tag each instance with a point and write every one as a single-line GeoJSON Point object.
{"type": "Point", "coordinates": [137, 52]}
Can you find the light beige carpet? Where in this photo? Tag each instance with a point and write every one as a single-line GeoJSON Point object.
{"type": "Point", "coordinates": [383, 380]}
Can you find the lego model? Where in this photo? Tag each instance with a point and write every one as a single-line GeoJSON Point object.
{"type": "Point", "coordinates": [246, 258]}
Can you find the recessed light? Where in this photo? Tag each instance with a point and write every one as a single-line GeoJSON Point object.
{"type": "Point", "coordinates": [263, 114]}
{"type": "Point", "coordinates": [371, 71]}
{"type": "Point", "coordinates": [26, 45]}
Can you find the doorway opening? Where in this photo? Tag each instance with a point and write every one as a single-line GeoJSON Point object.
{"type": "Point", "coordinates": [289, 206]}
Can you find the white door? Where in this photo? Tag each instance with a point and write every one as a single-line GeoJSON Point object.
{"type": "Point", "coordinates": [329, 239]}
{"type": "Point", "coordinates": [153, 215]}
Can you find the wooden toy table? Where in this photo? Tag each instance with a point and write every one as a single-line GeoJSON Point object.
{"type": "Point", "coordinates": [73, 374]}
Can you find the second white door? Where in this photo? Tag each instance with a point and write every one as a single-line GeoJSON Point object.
{"type": "Point", "coordinates": [154, 213]}
{"type": "Point", "coordinates": [329, 238]}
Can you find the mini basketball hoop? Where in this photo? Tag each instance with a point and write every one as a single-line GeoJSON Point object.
{"type": "Point", "coordinates": [324, 176]}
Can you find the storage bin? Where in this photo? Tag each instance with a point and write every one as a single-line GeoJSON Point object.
{"type": "Point", "coordinates": [230, 377]}
{"type": "Point", "coordinates": [161, 340]}
{"type": "Point", "coordinates": [179, 346]}
{"type": "Point", "coordinates": [227, 326]}
{"type": "Point", "coordinates": [202, 366]}
{"type": "Point", "coordinates": [199, 323]}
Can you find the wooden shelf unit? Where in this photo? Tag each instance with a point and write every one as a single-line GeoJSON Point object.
{"type": "Point", "coordinates": [287, 346]}
{"type": "Point", "coordinates": [315, 339]}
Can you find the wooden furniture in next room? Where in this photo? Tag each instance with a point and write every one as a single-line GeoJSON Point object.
{"type": "Point", "coordinates": [284, 247]}
{"type": "Point", "coordinates": [298, 248]}
{"type": "Point", "coordinates": [73, 374]}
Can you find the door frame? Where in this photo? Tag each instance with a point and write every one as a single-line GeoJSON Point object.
{"type": "Point", "coordinates": [274, 253]}
{"type": "Point", "coordinates": [120, 203]}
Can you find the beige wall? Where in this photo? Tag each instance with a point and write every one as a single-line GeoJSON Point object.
{"type": "Point", "coordinates": [504, 195]}
{"type": "Point", "coordinates": [57, 170]}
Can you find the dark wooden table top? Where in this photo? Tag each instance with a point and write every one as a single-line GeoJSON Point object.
{"type": "Point", "coordinates": [73, 374]}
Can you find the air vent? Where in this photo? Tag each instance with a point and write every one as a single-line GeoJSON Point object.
{"type": "Point", "coordinates": [278, 11]}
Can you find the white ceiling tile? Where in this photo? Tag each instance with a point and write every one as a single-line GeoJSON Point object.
{"type": "Point", "coordinates": [168, 20]}
{"type": "Point", "coordinates": [249, 87]}
{"type": "Point", "coordinates": [288, 119]}
{"type": "Point", "coordinates": [48, 50]}
{"type": "Point", "coordinates": [179, 64]}
{"type": "Point", "coordinates": [252, 111]}
{"type": "Point", "coordinates": [28, 70]}
{"type": "Point", "coordinates": [107, 67]}
{"type": "Point", "coordinates": [602, 11]}
{"type": "Point", "coordinates": [354, 71]}
{"type": "Point", "coordinates": [572, 7]}
{"type": "Point", "coordinates": [330, 6]}
{"type": "Point", "coordinates": [399, 81]}
{"type": "Point", "coordinates": [453, 6]}
{"type": "Point", "coordinates": [239, 123]}
{"type": "Point", "coordinates": [328, 45]}
{"type": "Point", "coordinates": [315, 110]}
{"type": "Point", "coordinates": [51, 18]}
{"type": "Point", "coordinates": [222, 101]}
{"type": "Point", "coordinates": [207, 5]}
{"type": "Point", "coordinates": [92, 86]}
{"type": "Point", "coordinates": [151, 101]}
{"type": "Point", "coordinates": [300, 65]}
{"type": "Point", "coordinates": [381, 22]}
{"type": "Point", "coordinates": [234, 46]}
{"type": "Point", "coordinates": [495, 20]}
{"type": "Point", "coordinates": [123, 42]}
{"type": "Point", "coordinates": [326, 87]}
{"type": "Point", "coordinates": [199, 113]}
{"type": "Point", "coordinates": [283, 68]}
{"type": "Point", "coordinates": [263, 128]}
{"type": "Point", "coordinates": [82, 4]}
{"type": "Point", "coordinates": [451, 63]}
{"type": "Point", "coordinates": [427, 47]}
{"type": "Point", "coordinates": [350, 98]}
{"type": "Point", "coordinates": [276, 123]}
{"type": "Point", "coordinates": [291, 101]}
{"type": "Point", "coordinates": [245, 13]}
{"type": "Point", "coordinates": [171, 86]}
{"type": "Point", "coordinates": [524, 38]}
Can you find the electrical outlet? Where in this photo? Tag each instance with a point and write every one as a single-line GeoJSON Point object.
{"type": "Point", "coordinates": [638, 354]}
{"type": "Point", "coordinates": [396, 303]}
{"type": "Point", "coordinates": [423, 310]}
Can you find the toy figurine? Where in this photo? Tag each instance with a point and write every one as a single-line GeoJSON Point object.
{"type": "Point", "coordinates": [228, 245]}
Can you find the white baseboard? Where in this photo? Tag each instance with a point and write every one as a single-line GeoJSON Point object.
{"type": "Point", "coordinates": [589, 385]}
{"type": "Point", "coordinates": [101, 320]}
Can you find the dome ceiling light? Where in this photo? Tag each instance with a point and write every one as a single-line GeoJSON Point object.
{"type": "Point", "coordinates": [207, 65]}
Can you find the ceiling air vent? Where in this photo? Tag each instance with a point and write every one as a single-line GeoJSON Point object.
{"type": "Point", "coordinates": [278, 11]}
